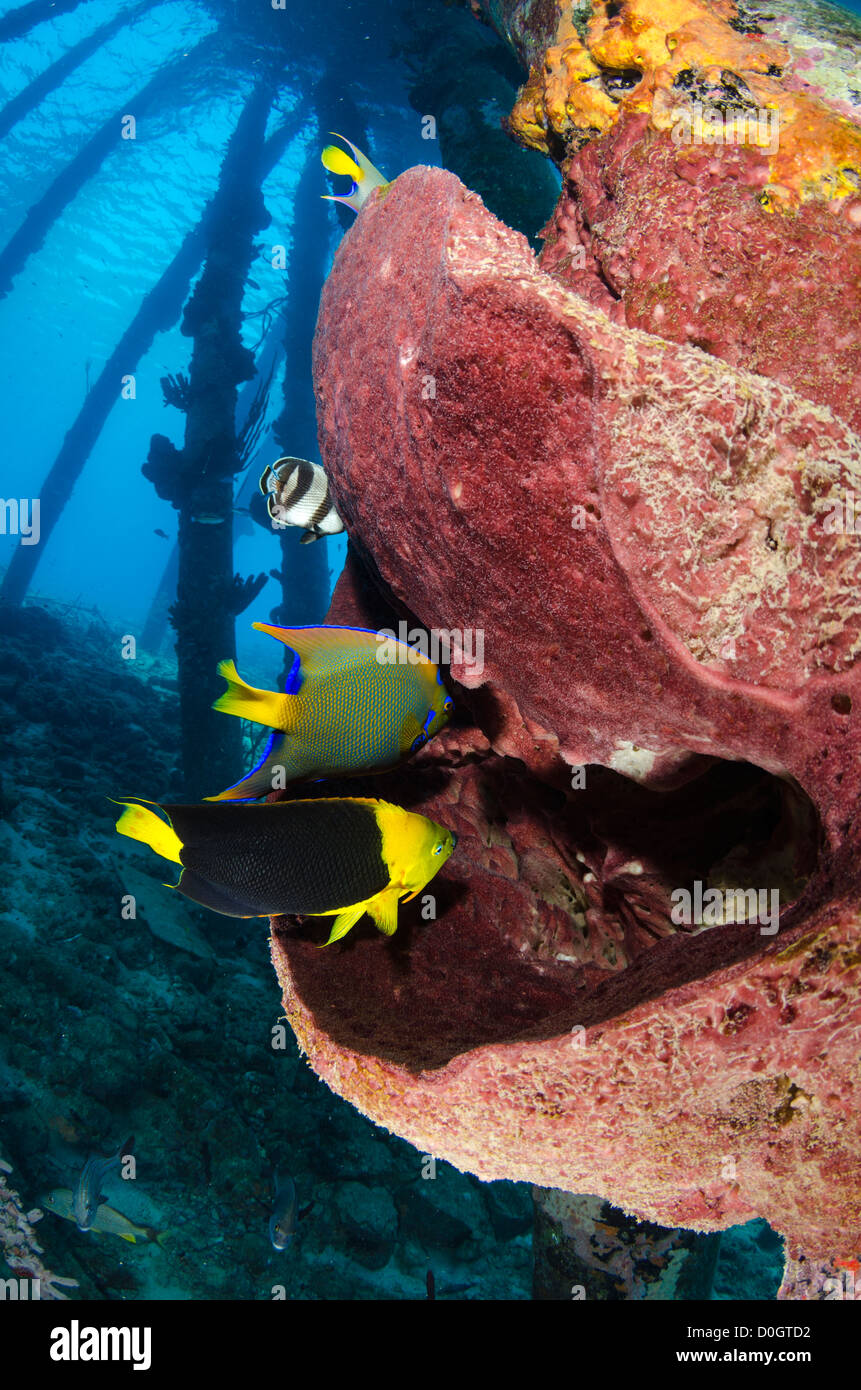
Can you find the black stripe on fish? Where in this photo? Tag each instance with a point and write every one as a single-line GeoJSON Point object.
{"type": "Point", "coordinates": [284, 856]}
{"type": "Point", "coordinates": [302, 508]}
{"type": "Point", "coordinates": [297, 483]}
{"type": "Point", "coordinates": [322, 511]}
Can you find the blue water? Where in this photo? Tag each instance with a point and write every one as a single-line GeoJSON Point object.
{"type": "Point", "coordinates": [162, 1029]}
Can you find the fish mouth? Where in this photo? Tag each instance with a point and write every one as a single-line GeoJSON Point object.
{"type": "Point", "coordinates": [560, 907]}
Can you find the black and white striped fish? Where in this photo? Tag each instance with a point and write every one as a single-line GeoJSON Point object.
{"type": "Point", "coordinates": [297, 494]}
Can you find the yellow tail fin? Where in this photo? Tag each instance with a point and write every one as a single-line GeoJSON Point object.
{"type": "Point", "coordinates": [246, 701]}
{"type": "Point", "coordinates": [140, 823]}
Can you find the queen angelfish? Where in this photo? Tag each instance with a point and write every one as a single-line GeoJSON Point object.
{"type": "Point", "coordinates": [344, 712]}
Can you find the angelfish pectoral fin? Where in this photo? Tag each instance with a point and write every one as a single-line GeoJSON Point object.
{"type": "Point", "coordinates": [385, 912]}
{"type": "Point", "coordinates": [343, 922]}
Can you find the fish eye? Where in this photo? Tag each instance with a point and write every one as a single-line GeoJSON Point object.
{"type": "Point", "coordinates": [438, 848]}
{"type": "Point", "coordinates": [448, 705]}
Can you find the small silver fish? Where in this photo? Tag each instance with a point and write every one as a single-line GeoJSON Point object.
{"type": "Point", "coordinates": [297, 494]}
{"type": "Point", "coordinates": [282, 1222]}
{"type": "Point", "coordinates": [88, 1195]}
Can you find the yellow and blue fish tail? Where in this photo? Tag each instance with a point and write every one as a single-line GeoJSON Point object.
{"type": "Point", "coordinates": [247, 702]}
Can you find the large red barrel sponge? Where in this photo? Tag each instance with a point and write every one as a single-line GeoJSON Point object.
{"type": "Point", "coordinates": [648, 540]}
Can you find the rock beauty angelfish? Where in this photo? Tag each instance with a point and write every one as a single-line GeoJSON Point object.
{"type": "Point", "coordinates": [333, 857]}
{"type": "Point", "coordinates": [344, 711]}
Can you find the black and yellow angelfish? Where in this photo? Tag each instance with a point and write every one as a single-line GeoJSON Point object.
{"type": "Point", "coordinates": [334, 857]}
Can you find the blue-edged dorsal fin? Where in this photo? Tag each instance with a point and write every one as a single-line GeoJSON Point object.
{"type": "Point", "coordinates": [321, 648]}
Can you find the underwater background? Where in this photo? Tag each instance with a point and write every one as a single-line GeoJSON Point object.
{"type": "Point", "coordinates": [161, 1025]}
